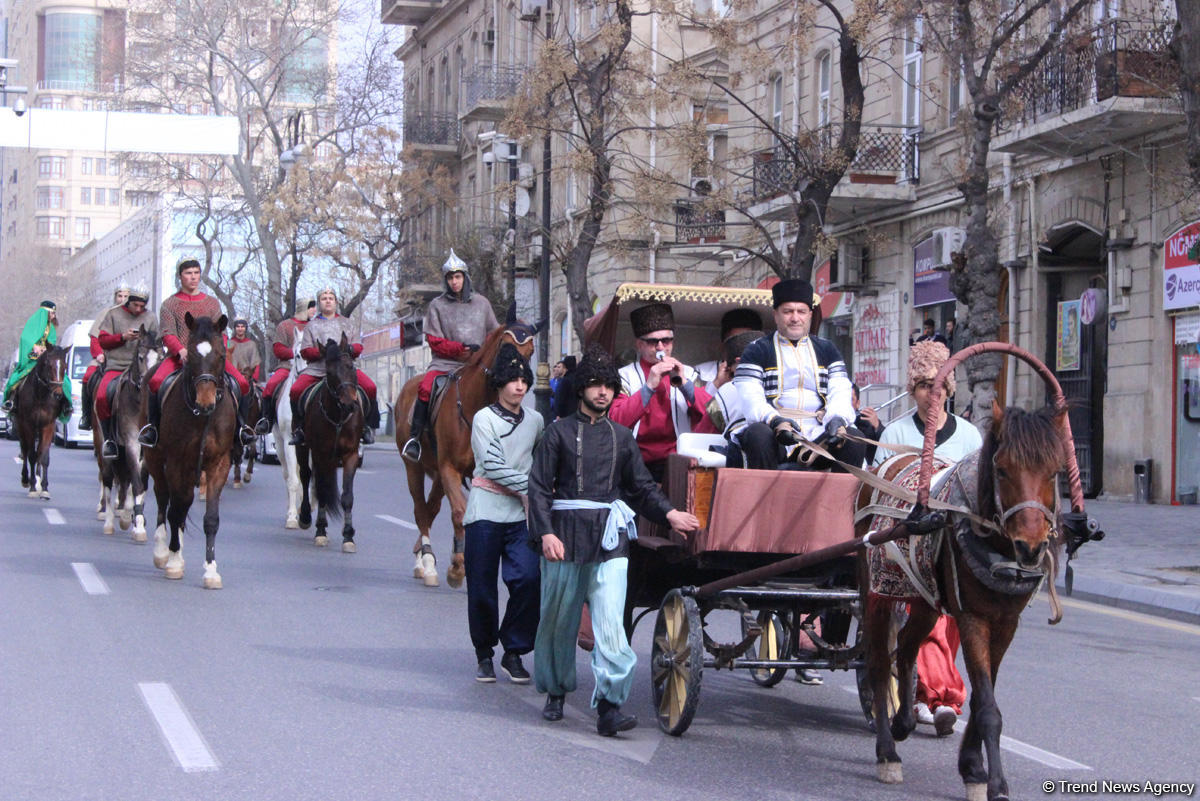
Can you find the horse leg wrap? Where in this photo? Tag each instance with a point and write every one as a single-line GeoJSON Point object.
{"type": "Point", "coordinates": [426, 548]}
{"type": "Point", "coordinates": [459, 545]}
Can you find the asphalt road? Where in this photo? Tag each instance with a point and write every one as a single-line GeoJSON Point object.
{"type": "Point", "coordinates": [319, 675]}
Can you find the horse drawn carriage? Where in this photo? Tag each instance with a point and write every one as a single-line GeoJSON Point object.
{"type": "Point", "coordinates": [806, 618]}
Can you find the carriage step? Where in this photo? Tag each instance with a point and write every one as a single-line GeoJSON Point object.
{"type": "Point", "coordinates": [798, 592]}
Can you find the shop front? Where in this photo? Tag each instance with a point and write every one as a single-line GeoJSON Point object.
{"type": "Point", "coordinates": [1181, 297]}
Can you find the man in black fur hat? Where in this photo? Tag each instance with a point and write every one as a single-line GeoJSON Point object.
{"type": "Point", "coordinates": [582, 469]}
{"type": "Point", "coordinates": [794, 385]}
{"type": "Point", "coordinates": [503, 435]}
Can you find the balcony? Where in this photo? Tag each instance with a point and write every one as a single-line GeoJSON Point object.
{"type": "Point", "coordinates": [697, 225]}
{"type": "Point", "coordinates": [407, 12]}
{"type": "Point", "coordinates": [488, 88]}
{"type": "Point", "coordinates": [433, 132]}
{"type": "Point", "coordinates": [1117, 81]}
{"type": "Point", "coordinates": [884, 172]}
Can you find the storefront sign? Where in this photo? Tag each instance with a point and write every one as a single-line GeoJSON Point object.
{"type": "Point", "coordinates": [1067, 351]}
{"type": "Point", "coordinates": [1187, 329]}
{"type": "Point", "coordinates": [1092, 304]}
{"type": "Point", "coordinates": [1181, 273]}
{"type": "Point", "coordinates": [872, 346]}
{"type": "Point", "coordinates": [930, 286]}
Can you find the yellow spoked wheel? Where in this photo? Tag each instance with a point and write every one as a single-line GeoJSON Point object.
{"type": "Point", "coordinates": [771, 646]}
{"type": "Point", "coordinates": [677, 662]}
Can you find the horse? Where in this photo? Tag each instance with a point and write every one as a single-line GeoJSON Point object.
{"type": "Point", "coordinates": [333, 422]}
{"type": "Point", "coordinates": [284, 450]}
{"type": "Point", "coordinates": [123, 480]}
{"type": "Point", "coordinates": [986, 568]}
{"type": "Point", "coordinates": [446, 455]}
{"type": "Point", "coordinates": [199, 422]}
{"type": "Point", "coordinates": [247, 452]}
{"type": "Point", "coordinates": [39, 402]}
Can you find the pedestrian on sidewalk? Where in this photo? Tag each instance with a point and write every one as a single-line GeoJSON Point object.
{"type": "Point", "coordinates": [582, 469]}
{"type": "Point", "coordinates": [503, 436]}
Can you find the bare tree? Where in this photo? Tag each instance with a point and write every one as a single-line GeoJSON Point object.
{"type": "Point", "coordinates": [1185, 47]}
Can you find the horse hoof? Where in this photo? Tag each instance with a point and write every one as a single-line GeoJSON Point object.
{"type": "Point", "coordinates": [418, 572]}
{"type": "Point", "coordinates": [32, 493]}
{"type": "Point", "coordinates": [430, 579]}
{"type": "Point", "coordinates": [454, 578]}
{"type": "Point", "coordinates": [349, 547]}
{"type": "Point", "coordinates": [45, 495]}
{"type": "Point", "coordinates": [160, 561]}
{"type": "Point", "coordinates": [174, 572]}
{"type": "Point", "coordinates": [320, 540]}
{"type": "Point", "coordinates": [139, 536]}
{"type": "Point", "coordinates": [100, 514]}
{"type": "Point", "coordinates": [125, 524]}
{"type": "Point", "coordinates": [212, 583]}
{"type": "Point", "coordinates": [890, 772]}
{"type": "Point", "coordinates": [292, 524]}
{"type": "Point", "coordinates": [976, 791]}
{"type": "Point", "coordinates": [108, 529]}
{"type": "Point", "coordinates": [237, 485]}
{"type": "Point", "coordinates": [246, 480]}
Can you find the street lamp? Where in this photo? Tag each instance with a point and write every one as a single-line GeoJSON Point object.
{"type": "Point", "coordinates": [288, 159]}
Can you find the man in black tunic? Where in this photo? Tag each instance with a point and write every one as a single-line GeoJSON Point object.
{"type": "Point", "coordinates": [584, 470]}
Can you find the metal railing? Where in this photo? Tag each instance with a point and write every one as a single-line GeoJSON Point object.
{"type": "Point", "coordinates": [1118, 58]}
{"type": "Point", "coordinates": [696, 223]}
{"type": "Point", "coordinates": [881, 149]}
{"type": "Point", "coordinates": [488, 82]}
{"type": "Point", "coordinates": [431, 128]}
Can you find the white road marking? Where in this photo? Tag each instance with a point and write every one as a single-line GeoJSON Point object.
{"type": "Point", "coordinates": [182, 737]}
{"type": "Point", "coordinates": [364, 471]}
{"type": "Point", "coordinates": [54, 517]}
{"type": "Point", "coordinates": [398, 521]}
{"type": "Point", "coordinates": [1017, 747]}
{"type": "Point", "coordinates": [1125, 614]}
{"type": "Point", "coordinates": [90, 578]}
{"type": "Point", "coordinates": [579, 728]}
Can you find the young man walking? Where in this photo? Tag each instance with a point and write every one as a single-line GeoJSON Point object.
{"type": "Point", "coordinates": [582, 469]}
{"type": "Point", "coordinates": [503, 436]}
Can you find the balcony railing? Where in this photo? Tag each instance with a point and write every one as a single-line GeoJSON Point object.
{"type": "Point", "coordinates": [886, 153]}
{"type": "Point", "coordinates": [431, 128]}
{"type": "Point", "coordinates": [695, 224]}
{"type": "Point", "coordinates": [1118, 58]}
{"type": "Point", "coordinates": [488, 82]}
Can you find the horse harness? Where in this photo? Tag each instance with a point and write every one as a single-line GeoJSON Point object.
{"type": "Point", "coordinates": [307, 397]}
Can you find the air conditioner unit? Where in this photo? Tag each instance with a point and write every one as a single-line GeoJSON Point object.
{"type": "Point", "coordinates": [946, 242]}
{"type": "Point", "coordinates": [489, 38]}
{"type": "Point", "coordinates": [845, 268]}
{"type": "Point", "coordinates": [532, 9]}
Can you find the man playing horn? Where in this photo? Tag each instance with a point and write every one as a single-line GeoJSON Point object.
{"type": "Point", "coordinates": [286, 334]}
{"type": "Point", "coordinates": [118, 335]}
{"type": "Point", "coordinates": [794, 385]}
{"type": "Point", "coordinates": [456, 322]}
{"type": "Point", "coordinates": [91, 376]}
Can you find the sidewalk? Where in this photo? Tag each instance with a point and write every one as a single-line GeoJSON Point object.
{"type": "Point", "coordinates": [1148, 561]}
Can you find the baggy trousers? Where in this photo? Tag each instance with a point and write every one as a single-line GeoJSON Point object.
{"type": "Point", "coordinates": [502, 548]}
{"type": "Point", "coordinates": [565, 586]}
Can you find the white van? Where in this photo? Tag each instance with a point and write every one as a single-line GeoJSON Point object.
{"type": "Point", "coordinates": [79, 355]}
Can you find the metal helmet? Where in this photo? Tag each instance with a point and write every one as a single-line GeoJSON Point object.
{"type": "Point", "coordinates": [138, 292]}
{"type": "Point", "coordinates": [454, 264]}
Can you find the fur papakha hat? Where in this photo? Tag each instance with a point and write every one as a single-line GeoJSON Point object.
{"type": "Point", "coordinates": [654, 317]}
{"type": "Point", "coordinates": [740, 318]}
{"type": "Point", "coordinates": [924, 361]}
{"type": "Point", "coordinates": [509, 365]}
{"type": "Point", "coordinates": [597, 367]}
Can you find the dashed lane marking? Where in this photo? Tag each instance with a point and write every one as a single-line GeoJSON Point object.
{"type": "Point", "coordinates": [180, 733]}
{"type": "Point", "coordinates": [398, 521]}
{"type": "Point", "coordinates": [1017, 747]}
{"type": "Point", "coordinates": [93, 583]}
{"type": "Point", "coordinates": [579, 728]}
{"type": "Point", "coordinates": [54, 517]}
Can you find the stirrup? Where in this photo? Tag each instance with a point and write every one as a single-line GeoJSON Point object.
{"type": "Point", "coordinates": [412, 450]}
{"type": "Point", "coordinates": [108, 451]}
{"type": "Point", "coordinates": [247, 435]}
{"type": "Point", "coordinates": [262, 427]}
{"type": "Point", "coordinates": [148, 436]}
{"type": "Point", "coordinates": [368, 435]}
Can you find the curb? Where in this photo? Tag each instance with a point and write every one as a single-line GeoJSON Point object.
{"type": "Point", "coordinates": [1146, 600]}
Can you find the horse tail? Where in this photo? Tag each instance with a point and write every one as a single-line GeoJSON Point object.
{"type": "Point", "coordinates": [327, 491]}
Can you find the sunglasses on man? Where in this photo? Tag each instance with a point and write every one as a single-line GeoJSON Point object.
{"type": "Point", "coordinates": [657, 340]}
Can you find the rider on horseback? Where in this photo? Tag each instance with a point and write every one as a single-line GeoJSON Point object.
{"type": "Point", "coordinates": [118, 336]}
{"type": "Point", "coordinates": [243, 351]}
{"type": "Point", "coordinates": [40, 333]}
{"type": "Point", "coordinates": [175, 333]}
{"type": "Point", "coordinates": [91, 376]}
{"type": "Point", "coordinates": [286, 334]}
{"type": "Point", "coordinates": [328, 324]}
{"type": "Point", "coordinates": [456, 322]}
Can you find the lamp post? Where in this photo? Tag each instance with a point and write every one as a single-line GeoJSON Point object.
{"type": "Point", "coordinates": [287, 161]}
{"type": "Point", "coordinates": [542, 386]}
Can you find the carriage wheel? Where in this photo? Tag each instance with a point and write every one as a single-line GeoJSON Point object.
{"type": "Point", "coordinates": [866, 696]}
{"type": "Point", "coordinates": [676, 662]}
{"type": "Point", "coordinates": [772, 645]}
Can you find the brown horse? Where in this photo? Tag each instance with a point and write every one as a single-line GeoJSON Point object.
{"type": "Point", "coordinates": [333, 423]}
{"type": "Point", "coordinates": [199, 418]}
{"type": "Point", "coordinates": [984, 574]}
{"type": "Point", "coordinates": [446, 455]}
{"type": "Point", "coordinates": [247, 453]}
{"type": "Point", "coordinates": [39, 402]}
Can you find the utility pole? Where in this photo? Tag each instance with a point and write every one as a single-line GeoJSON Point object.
{"type": "Point", "coordinates": [542, 387]}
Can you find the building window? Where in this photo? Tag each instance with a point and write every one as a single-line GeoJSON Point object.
{"type": "Point", "coordinates": [101, 166]}
{"type": "Point", "coordinates": [777, 103]}
{"type": "Point", "coordinates": [83, 228]}
{"type": "Point", "coordinates": [49, 197]}
{"type": "Point", "coordinates": [114, 196]}
{"type": "Point", "coordinates": [71, 49]}
{"type": "Point", "coordinates": [954, 95]}
{"type": "Point", "coordinates": [51, 167]}
{"type": "Point", "coordinates": [50, 227]}
{"type": "Point", "coordinates": [912, 73]}
{"type": "Point", "coordinates": [114, 167]}
{"type": "Point", "coordinates": [824, 77]}
{"type": "Point", "coordinates": [85, 165]}
{"type": "Point", "coordinates": [85, 196]}
{"type": "Point", "coordinates": [138, 199]}
{"type": "Point", "coordinates": [52, 102]}
{"type": "Point", "coordinates": [143, 169]}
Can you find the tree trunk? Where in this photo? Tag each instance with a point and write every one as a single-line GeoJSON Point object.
{"type": "Point", "coordinates": [1185, 46]}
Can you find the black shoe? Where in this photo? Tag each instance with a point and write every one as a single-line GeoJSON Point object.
{"type": "Point", "coordinates": [553, 710]}
{"type": "Point", "coordinates": [510, 663]}
{"type": "Point", "coordinates": [368, 436]}
{"type": "Point", "coordinates": [297, 437]}
{"type": "Point", "coordinates": [108, 451]}
{"type": "Point", "coordinates": [148, 436]}
{"type": "Point", "coordinates": [412, 451]}
{"type": "Point", "coordinates": [485, 674]}
{"type": "Point", "coordinates": [247, 436]}
{"type": "Point", "coordinates": [85, 422]}
{"type": "Point", "coordinates": [262, 427]}
{"type": "Point", "coordinates": [611, 719]}
{"type": "Point", "coordinates": [806, 676]}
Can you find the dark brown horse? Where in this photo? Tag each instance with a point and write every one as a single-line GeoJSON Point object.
{"type": "Point", "coordinates": [247, 453]}
{"type": "Point", "coordinates": [984, 574]}
{"type": "Point", "coordinates": [39, 402]}
{"type": "Point", "coordinates": [446, 455]}
{"type": "Point", "coordinates": [199, 418]}
{"type": "Point", "coordinates": [333, 424]}
{"type": "Point", "coordinates": [123, 480]}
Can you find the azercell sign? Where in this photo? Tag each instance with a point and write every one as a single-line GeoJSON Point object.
{"type": "Point", "coordinates": [1181, 274]}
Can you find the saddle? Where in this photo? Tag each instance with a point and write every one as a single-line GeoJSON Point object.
{"type": "Point", "coordinates": [436, 395]}
{"type": "Point", "coordinates": [308, 394]}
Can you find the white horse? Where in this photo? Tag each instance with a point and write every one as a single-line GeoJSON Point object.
{"type": "Point", "coordinates": [283, 432]}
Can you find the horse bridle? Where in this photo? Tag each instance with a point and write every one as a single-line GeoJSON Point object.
{"type": "Point", "coordinates": [195, 386]}
{"type": "Point", "coordinates": [346, 414]}
{"type": "Point", "coordinates": [58, 365]}
{"type": "Point", "coordinates": [1003, 514]}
